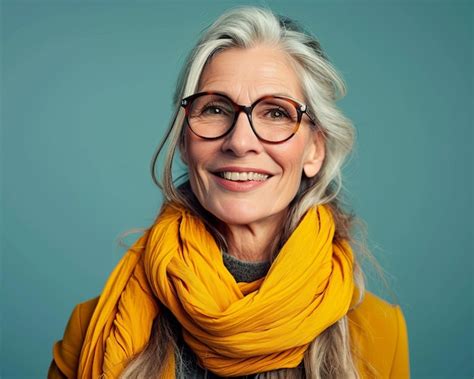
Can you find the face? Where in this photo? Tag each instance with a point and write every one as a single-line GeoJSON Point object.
{"type": "Point", "coordinates": [219, 170]}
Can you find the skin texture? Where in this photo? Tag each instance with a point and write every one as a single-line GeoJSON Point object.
{"type": "Point", "coordinates": [251, 218]}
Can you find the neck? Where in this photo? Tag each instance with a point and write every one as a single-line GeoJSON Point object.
{"type": "Point", "coordinates": [254, 242]}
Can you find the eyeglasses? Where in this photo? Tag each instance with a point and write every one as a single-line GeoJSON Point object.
{"type": "Point", "coordinates": [273, 119]}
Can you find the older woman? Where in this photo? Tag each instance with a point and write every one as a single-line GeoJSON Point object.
{"type": "Point", "coordinates": [248, 270]}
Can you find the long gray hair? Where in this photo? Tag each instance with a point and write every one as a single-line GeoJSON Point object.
{"type": "Point", "coordinates": [331, 353]}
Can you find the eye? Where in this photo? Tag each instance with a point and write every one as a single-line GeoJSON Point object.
{"type": "Point", "coordinates": [213, 110]}
{"type": "Point", "coordinates": [277, 113]}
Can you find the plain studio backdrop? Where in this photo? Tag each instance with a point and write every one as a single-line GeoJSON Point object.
{"type": "Point", "coordinates": [86, 97]}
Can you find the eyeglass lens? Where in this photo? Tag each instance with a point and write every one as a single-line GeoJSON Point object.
{"type": "Point", "coordinates": [273, 119]}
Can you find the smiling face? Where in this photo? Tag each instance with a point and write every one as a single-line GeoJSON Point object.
{"type": "Point", "coordinates": [238, 178]}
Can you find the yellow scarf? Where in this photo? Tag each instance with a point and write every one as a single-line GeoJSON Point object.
{"type": "Point", "coordinates": [233, 328]}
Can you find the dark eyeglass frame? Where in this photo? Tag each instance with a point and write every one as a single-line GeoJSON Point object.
{"type": "Point", "coordinates": [300, 110]}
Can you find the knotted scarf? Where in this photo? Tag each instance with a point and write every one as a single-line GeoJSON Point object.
{"type": "Point", "coordinates": [233, 328]}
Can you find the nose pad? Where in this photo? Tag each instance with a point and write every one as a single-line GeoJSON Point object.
{"type": "Point", "coordinates": [242, 138]}
{"type": "Point", "coordinates": [243, 118]}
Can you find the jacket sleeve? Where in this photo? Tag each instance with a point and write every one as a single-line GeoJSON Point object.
{"type": "Point", "coordinates": [54, 373]}
{"type": "Point", "coordinates": [401, 360]}
{"type": "Point", "coordinates": [67, 351]}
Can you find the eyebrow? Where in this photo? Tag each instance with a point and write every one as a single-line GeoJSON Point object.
{"type": "Point", "coordinates": [282, 94]}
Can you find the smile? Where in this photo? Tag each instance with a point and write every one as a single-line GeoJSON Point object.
{"type": "Point", "coordinates": [243, 176]}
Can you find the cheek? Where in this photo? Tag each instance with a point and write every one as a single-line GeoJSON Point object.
{"type": "Point", "coordinates": [197, 155]}
{"type": "Point", "coordinates": [291, 159]}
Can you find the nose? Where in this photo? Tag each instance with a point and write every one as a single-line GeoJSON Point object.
{"type": "Point", "coordinates": [242, 140]}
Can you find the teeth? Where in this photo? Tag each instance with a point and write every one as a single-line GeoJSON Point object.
{"type": "Point", "coordinates": [243, 176]}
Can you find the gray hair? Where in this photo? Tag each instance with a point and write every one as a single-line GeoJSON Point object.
{"type": "Point", "coordinates": [330, 354]}
{"type": "Point", "coordinates": [245, 28]}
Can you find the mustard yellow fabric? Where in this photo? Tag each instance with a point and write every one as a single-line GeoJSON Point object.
{"type": "Point", "coordinates": [377, 328]}
{"type": "Point", "coordinates": [234, 328]}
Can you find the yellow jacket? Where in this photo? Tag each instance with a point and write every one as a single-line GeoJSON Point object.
{"type": "Point", "coordinates": [377, 328]}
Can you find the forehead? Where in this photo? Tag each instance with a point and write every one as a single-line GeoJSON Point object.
{"type": "Point", "coordinates": [246, 74]}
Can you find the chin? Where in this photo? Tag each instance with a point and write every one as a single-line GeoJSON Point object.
{"type": "Point", "coordinates": [241, 213]}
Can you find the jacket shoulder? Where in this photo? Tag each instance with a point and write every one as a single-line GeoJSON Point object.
{"type": "Point", "coordinates": [66, 352]}
{"type": "Point", "coordinates": [379, 338]}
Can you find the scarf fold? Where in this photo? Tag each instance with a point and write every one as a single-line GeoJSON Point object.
{"type": "Point", "coordinates": [233, 328]}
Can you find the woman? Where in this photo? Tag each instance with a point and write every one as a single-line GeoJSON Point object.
{"type": "Point", "coordinates": [248, 270]}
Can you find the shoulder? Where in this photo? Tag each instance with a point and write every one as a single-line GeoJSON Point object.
{"type": "Point", "coordinates": [66, 352]}
{"type": "Point", "coordinates": [374, 310]}
{"type": "Point", "coordinates": [379, 336]}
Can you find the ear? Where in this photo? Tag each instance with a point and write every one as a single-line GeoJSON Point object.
{"type": "Point", "coordinates": [315, 154]}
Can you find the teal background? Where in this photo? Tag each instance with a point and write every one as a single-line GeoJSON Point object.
{"type": "Point", "coordinates": [86, 94]}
